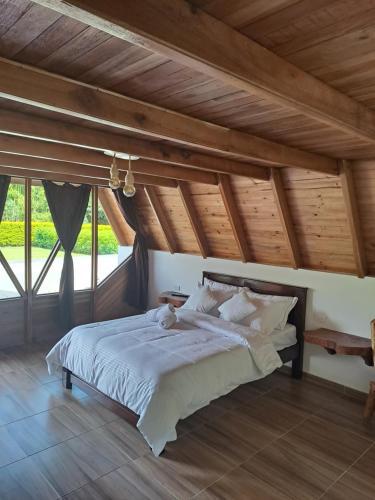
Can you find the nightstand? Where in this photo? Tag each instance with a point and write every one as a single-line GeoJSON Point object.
{"type": "Point", "coordinates": [174, 298]}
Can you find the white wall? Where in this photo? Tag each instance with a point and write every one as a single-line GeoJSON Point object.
{"type": "Point", "coordinates": [336, 301]}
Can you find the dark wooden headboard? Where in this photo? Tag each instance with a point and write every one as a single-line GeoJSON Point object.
{"type": "Point", "coordinates": [296, 317]}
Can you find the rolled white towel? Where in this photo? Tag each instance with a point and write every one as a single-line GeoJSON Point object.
{"type": "Point", "coordinates": [152, 314]}
{"type": "Point", "coordinates": [166, 316]}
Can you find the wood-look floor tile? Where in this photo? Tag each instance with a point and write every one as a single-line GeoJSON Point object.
{"type": "Point", "coordinates": [12, 410]}
{"type": "Point", "coordinates": [127, 483]}
{"type": "Point", "coordinates": [345, 491]}
{"type": "Point", "coordinates": [275, 380]}
{"type": "Point", "coordinates": [275, 416]}
{"type": "Point", "coordinates": [189, 424]}
{"type": "Point", "coordinates": [24, 481]}
{"type": "Point", "coordinates": [361, 476]}
{"type": "Point", "coordinates": [238, 438]}
{"type": "Point", "coordinates": [71, 464]}
{"type": "Point", "coordinates": [241, 485]}
{"type": "Point", "coordinates": [38, 432]}
{"type": "Point", "coordinates": [186, 467]}
{"type": "Point", "coordinates": [326, 442]}
{"type": "Point", "coordinates": [118, 441]}
{"type": "Point", "coordinates": [10, 451]}
{"type": "Point", "coordinates": [83, 415]}
{"type": "Point", "coordinates": [9, 363]}
{"type": "Point", "coordinates": [348, 413]}
{"type": "Point", "coordinates": [57, 389]}
{"type": "Point", "coordinates": [292, 471]}
{"type": "Point", "coordinates": [17, 380]}
{"type": "Point", "coordinates": [39, 372]}
{"type": "Point", "coordinates": [305, 396]}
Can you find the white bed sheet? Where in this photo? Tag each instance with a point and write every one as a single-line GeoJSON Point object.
{"type": "Point", "coordinates": [284, 338]}
{"type": "Point", "coordinates": [164, 375]}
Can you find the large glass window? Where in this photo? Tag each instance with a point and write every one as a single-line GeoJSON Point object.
{"type": "Point", "coordinates": [12, 241]}
{"type": "Point", "coordinates": [115, 241]}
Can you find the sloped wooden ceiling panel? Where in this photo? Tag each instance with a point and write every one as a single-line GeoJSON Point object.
{"type": "Point", "coordinates": [259, 215]}
{"type": "Point", "coordinates": [178, 220]}
{"type": "Point", "coordinates": [317, 208]}
{"type": "Point", "coordinates": [213, 217]}
{"type": "Point", "coordinates": [364, 182]}
{"type": "Point", "coordinates": [149, 222]}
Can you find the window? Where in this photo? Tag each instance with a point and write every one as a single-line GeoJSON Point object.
{"type": "Point", "coordinates": [12, 241]}
{"type": "Point", "coordinates": [115, 241]}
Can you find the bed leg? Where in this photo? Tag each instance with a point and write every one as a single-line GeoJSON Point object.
{"type": "Point", "coordinates": [67, 378]}
{"type": "Point", "coordinates": [297, 368]}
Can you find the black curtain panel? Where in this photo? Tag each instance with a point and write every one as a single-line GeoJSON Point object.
{"type": "Point", "coordinates": [68, 205]}
{"type": "Point", "coordinates": [136, 290]}
{"type": "Point", "coordinates": [4, 184]}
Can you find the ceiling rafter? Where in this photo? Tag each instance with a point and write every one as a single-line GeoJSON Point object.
{"type": "Point", "coordinates": [159, 212]}
{"type": "Point", "coordinates": [215, 49]}
{"type": "Point", "coordinates": [187, 201]}
{"type": "Point", "coordinates": [63, 152]}
{"type": "Point", "coordinates": [350, 201]}
{"type": "Point", "coordinates": [72, 98]}
{"type": "Point", "coordinates": [285, 217]}
{"type": "Point", "coordinates": [37, 127]}
{"type": "Point", "coordinates": [123, 232]}
{"type": "Point", "coordinates": [234, 217]}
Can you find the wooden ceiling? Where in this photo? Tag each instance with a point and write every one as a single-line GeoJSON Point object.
{"type": "Point", "coordinates": [205, 189]}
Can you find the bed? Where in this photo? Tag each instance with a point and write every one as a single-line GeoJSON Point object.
{"type": "Point", "coordinates": [161, 376]}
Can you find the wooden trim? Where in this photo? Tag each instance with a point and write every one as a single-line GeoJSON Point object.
{"type": "Point", "coordinates": [28, 263]}
{"type": "Point", "coordinates": [94, 249]}
{"type": "Point", "coordinates": [184, 191]}
{"type": "Point", "coordinates": [23, 83]}
{"type": "Point", "coordinates": [37, 127]}
{"type": "Point", "coordinates": [11, 275]}
{"type": "Point", "coordinates": [159, 212]}
{"type": "Point", "coordinates": [285, 217]}
{"type": "Point", "coordinates": [47, 266]}
{"type": "Point", "coordinates": [123, 232]}
{"type": "Point", "coordinates": [211, 47]}
{"type": "Point", "coordinates": [354, 221]}
{"type": "Point", "coordinates": [234, 217]}
{"type": "Point", "coordinates": [82, 157]}
{"type": "Point", "coordinates": [22, 166]}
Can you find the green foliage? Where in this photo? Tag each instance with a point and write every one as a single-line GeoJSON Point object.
{"type": "Point", "coordinates": [44, 236]}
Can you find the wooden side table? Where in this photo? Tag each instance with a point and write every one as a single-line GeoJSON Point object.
{"type": "Point", "coordinates": [335, 342]}
{"type": "Point", "coordinates": [176, 299]}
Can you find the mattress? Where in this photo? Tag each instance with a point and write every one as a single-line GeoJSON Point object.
{"type": "Point", "coordinates": [281, 339]}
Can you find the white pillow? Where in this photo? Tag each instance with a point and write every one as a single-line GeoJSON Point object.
{"type": "Point", "coordinates": [237, 308]}
{"type": "Point", "coordinates": [202, 300]}
{"type": "Point", "coordinates": [223, 292]}
{"type": "Point", "coordinates": [266, 317]}
{"type": "Point", "coordinates": [286, 304]}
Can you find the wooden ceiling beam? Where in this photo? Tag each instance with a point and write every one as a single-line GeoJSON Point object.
{"type": "Point", "coordinates": [351, 207]}
{"type": "Point", "coordinates": [234, 217]}
{"type": "Point", "coordinates": [63, 152]}
{"type": "Point", "coordinates": [53, 92]}
{"type": "Point", "coordinates": [186, 198]}
{"type": "Point", "coordinates": [37, 127]}
{"type": "Point", "coordinates": [99, 176]}
{"type": "Point", "coordinates": [285, 217]}
{"type": "Point", "coordinates": [208, 45]}
{"type": "Point", "coordinates": [159, 212]}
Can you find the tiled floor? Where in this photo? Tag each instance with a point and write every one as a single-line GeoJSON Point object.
{"type": "Point", "coordinates": [274, 439]}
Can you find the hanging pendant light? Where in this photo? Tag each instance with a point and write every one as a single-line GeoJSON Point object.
{"type": "Point", "coordinates": [129, 188]}
{"type": "Point", "coordinates": [114, 181]}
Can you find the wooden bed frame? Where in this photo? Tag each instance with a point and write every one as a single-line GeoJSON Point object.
{"type": "Point", "coordinates": [293, 353]}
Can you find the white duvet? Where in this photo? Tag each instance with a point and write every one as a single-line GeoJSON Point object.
{"type": "Point", "coordinates": [164, 375]}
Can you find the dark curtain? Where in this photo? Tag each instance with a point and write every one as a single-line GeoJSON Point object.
{"type": "Point", "coordinates": [68, 206]}
{"type": "Point", "coordinates": [136, 290]}
{"type": "Point", "coordinates": [4, 184]}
